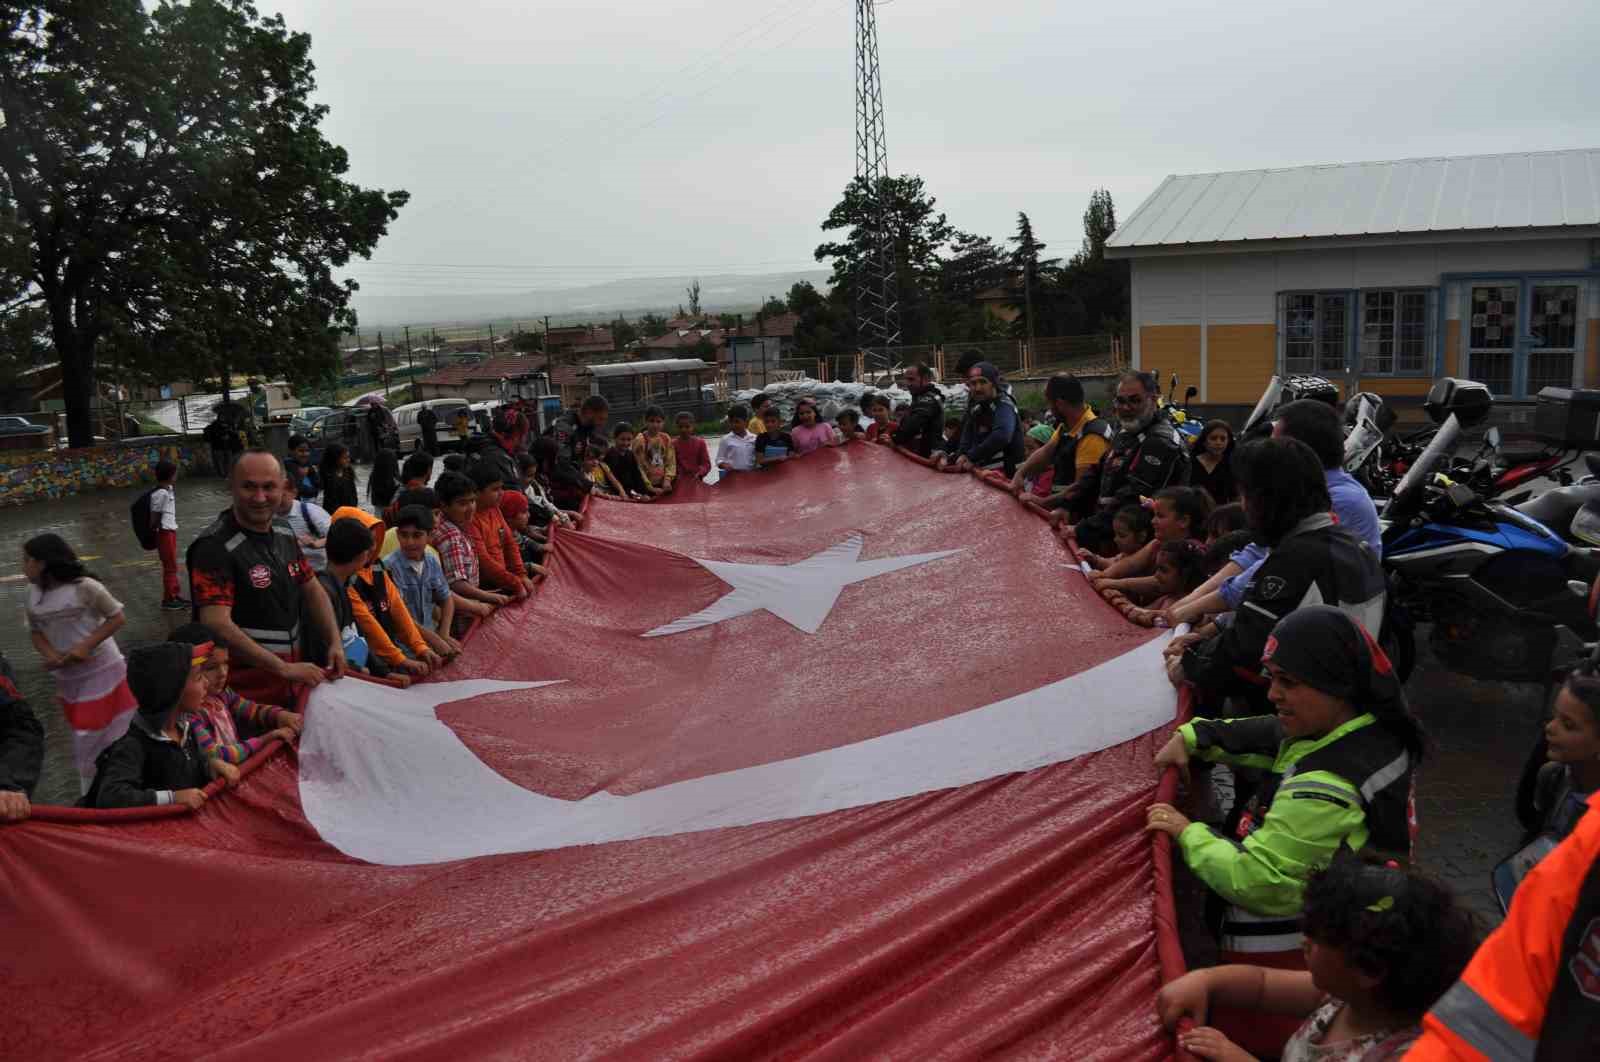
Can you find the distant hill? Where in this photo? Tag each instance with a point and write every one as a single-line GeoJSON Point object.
{"type": "Point", "coordinates": [725, 294]}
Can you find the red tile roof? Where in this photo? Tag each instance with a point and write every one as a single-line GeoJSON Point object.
{"type": "Point", "coordinates": [685, 338]}
{"type": "Point", "coordinates": [779, 324]}
{"type": "Point", "coordinates": [487, 369]}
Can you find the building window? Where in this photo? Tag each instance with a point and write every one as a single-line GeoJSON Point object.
{"type": "Point", "coordinates": [1394, 332]}
{"type": "Point", "coordinates": [1315, 331]}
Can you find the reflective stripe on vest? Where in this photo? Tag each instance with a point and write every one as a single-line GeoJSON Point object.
{"type": "Point", "coordinates": [1467, 1014]}
{"type": "Point", "coordinates": [1250, 933]}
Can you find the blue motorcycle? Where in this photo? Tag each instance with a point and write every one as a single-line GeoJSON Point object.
{"type": "Point", "coordinates": [1507, 596]}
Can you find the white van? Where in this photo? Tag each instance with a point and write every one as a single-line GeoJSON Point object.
{"type": "Point", "coordinates": [411, 432]}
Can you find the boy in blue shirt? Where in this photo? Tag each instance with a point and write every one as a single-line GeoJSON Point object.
{"type": "Point", "coordinates": [420, 579]}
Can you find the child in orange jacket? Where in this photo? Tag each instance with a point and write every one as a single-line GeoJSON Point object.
{"type": "Point", "coordinates": [499, 559]}
{"type": "Point", "coordinates": [380, 610]}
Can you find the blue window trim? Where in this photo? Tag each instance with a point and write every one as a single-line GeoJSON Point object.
{"type": "Point", "coordinates": [1525, 279]}
{"type": "Point", "coordinates": [1352, 331]}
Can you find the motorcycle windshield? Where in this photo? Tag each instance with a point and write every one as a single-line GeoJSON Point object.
{"type": "Point", "coordinates": [1444, 444]}
{"type": "Point", "coordinates": [1359, 444]}
{"type": "Point", "coordinates": [1266, 404]}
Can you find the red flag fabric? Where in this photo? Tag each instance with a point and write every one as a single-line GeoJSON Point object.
{"type": "Point", "coordinates": [842, 759]}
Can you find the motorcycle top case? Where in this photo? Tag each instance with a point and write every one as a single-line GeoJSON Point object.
{"type": "Point", "coordinates": [1469, 400]}
{"type": "Point", "coordinates": [1568, 417]}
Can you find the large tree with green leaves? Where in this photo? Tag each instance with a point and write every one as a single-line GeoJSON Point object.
{"type": "Point", "coordinates": [918, 231]}
{"type": "Point", "coordinates": [167, 195]}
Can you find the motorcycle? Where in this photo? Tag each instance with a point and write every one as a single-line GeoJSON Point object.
{"type": "Point", "coordinates": [1496, 584]}
{"type": "Point", "coordinates": [1189, 426]}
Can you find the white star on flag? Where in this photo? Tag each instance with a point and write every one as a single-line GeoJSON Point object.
{"type": "Point", "coordinates": [800, 594]}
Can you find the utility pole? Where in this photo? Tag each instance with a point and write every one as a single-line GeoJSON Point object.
{"type": "Point", "coordinates": [383, 366]}
{"type": "Point", "coordinates": [877, 298]}
{"type": "Point", "coordinates": [410, 363]}
{"type": "Point", "coordinates": [1027, 296]}
{"type": "Point", "coordinates": [549, 358]}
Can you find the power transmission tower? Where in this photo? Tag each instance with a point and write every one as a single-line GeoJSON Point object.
{"type": "Point", "coordinates": [877, 293]}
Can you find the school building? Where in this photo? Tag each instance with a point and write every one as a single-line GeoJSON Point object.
{"type": "Point", "coordinates": [1381, 276]}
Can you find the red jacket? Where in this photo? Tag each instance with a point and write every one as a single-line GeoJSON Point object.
{"type": "Point", "coordinates": [499, 560]}
{"type": "Point", "coordinates": [694, 460]}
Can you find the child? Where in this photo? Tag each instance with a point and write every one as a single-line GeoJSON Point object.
{"type": "Point", "coordinates": [952, 435]}
{"type": "Point", "coordinates": [737, 450]}
{"type": "Point", "coordinates": [1572, 735]}
{"type": "Point", "coordinates": [349, 543]}
{"type": "Point", "coordinates": [530, 540]}
{"type": "Point", "coordinates": [1131, 529]}
{"type": "Point", "coordinates": [1225, 520]}
{"type": "Point", "coordinates": [1180, 567]}
{"type": "Point", "coordinates": [848, 425]}
{"type": "Point", "coordinates": [338, 479]}
{"type": "Point", "coordinates": [157, 760]}
{"type": "Point", "coordinates": [1038, 486]}
{"type": "Point", "coordinates": [809, 431]}
{"type": "Point", "coordinates": [73, 621]}
{"type": "Point", "coordinates": [302, 473]}
{"type": "Point", "coordinates": [881, 430]}
{"type": "Point", "coordinates": [454, 462]}
{"type": "Point", "coordinates": [458, 500]}
{"type": "Point", "coordinates": [381, 613]}
{"type": "Point", "coordinates": [499, 561]}
{"type": "Point", "coordinates": [164, 514]}
{"type": "Point", "coordinates": [216, 723]}
{"type": "Point", "coordinates": [599, 473]}
{"type": "Point", "coordinates": [309, 522]}
{"type": "Point", "coordinates": [421, 496]}
{"type": "Point", "coordinates": [654, 453]}
{"type": "Point", "coordinates": [1178, 513]}
{"type": "Point", "coordinates": [384, 481]}
{"type": "Point", "coordinates": [694, 460]}
{"type": "Point", "coordinates": [623, 460]}
{"type": "Point", "coordinates": [541, 508]}
{"type": "Point", "coordinates": [1382, 945]}
{"type": "Point", "coordinates": [774, 445]}
{"type": "Point", "coordinates": [416, 573]}
{"type": "Point", "coordinates": [462, 425]}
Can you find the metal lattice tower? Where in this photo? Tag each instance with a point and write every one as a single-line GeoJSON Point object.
{"type": "Point", "coordinates": [877, 293]}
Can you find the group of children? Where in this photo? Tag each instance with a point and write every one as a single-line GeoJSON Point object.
{"type": "Point", "coordinates": [757, 436]}
{"type": "Point", "coordinates": [644, 465]}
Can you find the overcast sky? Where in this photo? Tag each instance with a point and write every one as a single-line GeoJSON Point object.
{"type": "Point", "coordinates": [571, 141]}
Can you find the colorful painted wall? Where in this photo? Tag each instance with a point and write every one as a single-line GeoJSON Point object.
{"type": "Point", "coordinates": [41, 475]}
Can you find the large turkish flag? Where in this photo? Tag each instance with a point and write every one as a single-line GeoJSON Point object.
{"type": "Point", "coordinates": [841, 759]}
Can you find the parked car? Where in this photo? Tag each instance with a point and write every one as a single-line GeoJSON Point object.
{"type": "Point", "coordinates": [305, 416]}
{"type": "Point", "coordinates": [14, 425]}
{"type": "Point", "coordinates": [410, 433]}
{"type": "Point", "coordinates": [20, 433]}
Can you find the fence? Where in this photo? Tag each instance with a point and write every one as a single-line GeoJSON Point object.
{"type": "Point", "coordinates": [1041, 356]}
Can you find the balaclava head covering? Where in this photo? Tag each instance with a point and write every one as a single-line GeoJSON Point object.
{"type": "Point", "coordinates": [1328, 650]}
{"type": "Point", "coordinates": [157, 674]}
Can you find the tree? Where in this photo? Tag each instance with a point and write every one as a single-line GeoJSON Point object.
{"type": "Point", "coordinates": [728, 320]}
{"type": "Point", "coordinates": [622, 332]}
{"type": "Point", "coordinates": [773, 306]}
{"type": "Point", "coordinates": [1102, 284]}
{"type": "Point", "coordinates": [918, 232]}
{"type": "Point", "coordinates": [652, 325]}
{"type": "Point", "coordinates": [693, 291]}
{"type": "Point", "coordinates": [1025, 264]}
{"type": "Point", "coordinates": [171, 194]}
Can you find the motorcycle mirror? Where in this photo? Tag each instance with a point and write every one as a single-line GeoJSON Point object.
{"type": "Point", "coordinates": [1189, 392]}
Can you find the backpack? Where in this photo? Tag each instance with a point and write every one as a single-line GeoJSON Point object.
{"type": "Point", "coordinates": [143, 519]}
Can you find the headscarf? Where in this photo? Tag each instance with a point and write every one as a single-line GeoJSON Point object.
{"type": "Point", "coordinates": [1040, 433]}
{"type": "Point", "coordinates": [1328, 650]}
{"type": "Point", "coordinates": [513, 503]}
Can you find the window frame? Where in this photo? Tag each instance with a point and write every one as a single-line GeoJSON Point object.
{"type": "Point", "coordinates": [1354, 365]}
{"type": "Point", "coordinates": [1430, 303]}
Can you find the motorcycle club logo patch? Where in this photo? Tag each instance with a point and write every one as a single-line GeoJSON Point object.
{"type": "Point", "coordinates": [1151, 459]}
{"type": "Point", "coordinates": [1271, 647]}
{"type": "Point", "coordinates": [1585, 965]}
{"type": "Point", "coordinates": [1272, 587]}
{"type": "Point", "coordinates": [260, 577]}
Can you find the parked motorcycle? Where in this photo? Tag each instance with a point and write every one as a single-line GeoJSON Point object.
{"type": "Point", "coordinates": [1495, 583]}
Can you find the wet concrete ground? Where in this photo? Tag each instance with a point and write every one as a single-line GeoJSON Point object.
{"type": "Point", "coordinates": [1464, 805]}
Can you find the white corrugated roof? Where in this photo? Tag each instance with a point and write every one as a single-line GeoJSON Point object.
{"type": "Point", "coordinates": [1535, 190]}
{"type": "Point", "coordinates": [644, 368]}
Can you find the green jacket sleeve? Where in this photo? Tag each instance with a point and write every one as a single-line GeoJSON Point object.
{"type": "Point", "coordinates": [1311, 816]}
{"type": "Point", "coordinates": [1250, 741]}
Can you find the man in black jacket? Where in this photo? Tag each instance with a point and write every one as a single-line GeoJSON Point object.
{"type": "Point", "coordinates": [922, 429]}
{"type": "Point", "coordinates": [1146, 455]}
{"type": "Point", "coordinates": [574, 434]}
{"type": "Point", "coordinates": [1313, 562]}
{"type": "Point", "coordinates": [21, 748]}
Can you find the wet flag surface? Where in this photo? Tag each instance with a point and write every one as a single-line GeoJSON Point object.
{"type": "Point", "coordinates": [840, 760]}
